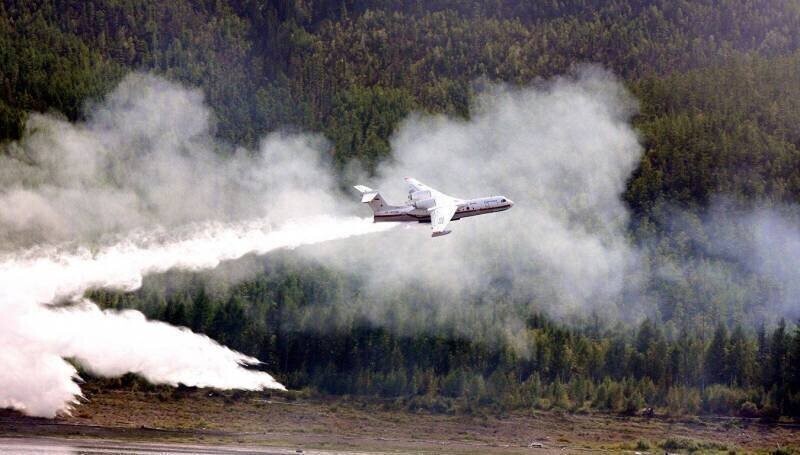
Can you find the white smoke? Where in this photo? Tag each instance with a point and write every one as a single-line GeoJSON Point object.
{"type": "Point", "coordinates": [140, 187]}
{"type": "Point", "coordinates": [146, 162]}
{"type": "Point", "coordinates": [35, 338]}
{"type": "Point", "coordinates": [776, 259]}
{"type": "Point", "coordinates": [731, 263]}
{"type": "Point", "coordinates": [562, 151]}
{"type": "Point", "coordinates": [146, 156]}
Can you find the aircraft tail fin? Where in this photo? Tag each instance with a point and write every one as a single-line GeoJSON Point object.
{"type": "Point", "coordinates": [373, 198]}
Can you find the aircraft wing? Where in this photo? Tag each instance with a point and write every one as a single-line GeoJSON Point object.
{"type": "Point", "coordinates": [441, 214]}
{"type": "Point", "coordinates": [443, 210]}
{"type": "Point", "coordinates": [416, 185]}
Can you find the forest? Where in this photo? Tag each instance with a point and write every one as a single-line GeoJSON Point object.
{"type": "Point", "coordinates": [718, 86]}
{"type": "Point", "coordinates": [277, 316]}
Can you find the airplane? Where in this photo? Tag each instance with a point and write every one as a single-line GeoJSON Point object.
{"type": "Point", "coordinates": [426, 205]}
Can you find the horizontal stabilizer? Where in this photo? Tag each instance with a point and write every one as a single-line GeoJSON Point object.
{"type": "Point", "coordinates": [367, 197]}
{"type": "Point", "coordinates": [367, 193]}
{"type": "Point", "coordinates": [373, 198]}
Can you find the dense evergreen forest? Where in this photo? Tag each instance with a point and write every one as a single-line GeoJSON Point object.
{"type": "Point", "coordinates": [276, 317]}
{"type": "Point", "coordinates": [718, 83]}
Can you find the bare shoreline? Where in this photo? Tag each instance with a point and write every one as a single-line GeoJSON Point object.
{"type": "Point", "coordinates": [262, 423]}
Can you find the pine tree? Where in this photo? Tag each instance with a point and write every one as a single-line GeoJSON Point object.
{"type": "Point", "coordinates": [779, 353]}
{"type": "Point", "coordinates": [716, 356]}
{"type": "Point", "coordinates": [793, 372]}
{"type": "Point", "coordinates": [201, 311]}
{"type": "Point", "coordinates": [740, 359]}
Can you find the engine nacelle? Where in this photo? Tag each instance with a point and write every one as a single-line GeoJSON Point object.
{"type": "Point", "coordinates": [425, 203]}
{"type": "Point", "coordinates": [419, 195]}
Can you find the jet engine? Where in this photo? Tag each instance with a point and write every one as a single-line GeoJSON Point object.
{"type": "Point", "coordinates": [419, 195]}
{"type": "Point", "coordinates": [425, 203]}
{"type": "Point", "coordinates": [421, 199]}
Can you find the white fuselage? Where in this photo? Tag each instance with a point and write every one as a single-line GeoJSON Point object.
{"type": "Point", "coordinates": [417, 210]}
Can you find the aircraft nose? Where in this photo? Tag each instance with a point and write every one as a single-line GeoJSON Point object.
{"type": "Point", "coordinates": [510, 202]}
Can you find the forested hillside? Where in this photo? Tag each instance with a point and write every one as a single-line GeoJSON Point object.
{"type": "Point", "coordinates": [289, 316]}
{"type": "Point", "coordinates": [354, 69]}
{"type": "Point", "coordinates": [718, 84]}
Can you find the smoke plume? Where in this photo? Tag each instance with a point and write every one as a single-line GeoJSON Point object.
{"type": "Point", "coordinates": [140, 187]}
{"type": "Point", "coordinates": [562, 151]}
{"type": "Point", "coordinates": [36, 338]}
{"type": "Point", "coordinates": [732, 263]}
{"type": "Point", "coordinates": [146, 156]}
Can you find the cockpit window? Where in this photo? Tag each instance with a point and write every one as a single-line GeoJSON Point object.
{"type": "Point", "coordinates": [504, 199]}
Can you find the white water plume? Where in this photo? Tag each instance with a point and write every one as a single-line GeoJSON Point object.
{"type": "Point", "coordinates": [145, 157]}
{"type": "Point", "coordinates": [36, 338]}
